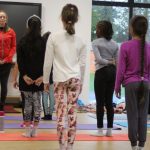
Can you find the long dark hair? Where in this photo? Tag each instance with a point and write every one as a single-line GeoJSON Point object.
{"type": "Point", "coordinates": [5, 29]}
{"type": "Point", "coordinates": [32, 39]}
{"type": "Point", "coordinates": [33, 28]}
{"type": "Point", "coordinates": [69, 16]}
{"type": "Point", "coordinates": [104, 29]}
{"type": "Point", "coordinates": [139, 25]}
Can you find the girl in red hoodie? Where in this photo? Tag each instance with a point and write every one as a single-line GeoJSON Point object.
{"type": "Point", "coordinates": [7, 51]}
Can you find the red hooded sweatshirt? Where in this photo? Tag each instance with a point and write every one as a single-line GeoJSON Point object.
{"type": "Point", "coordinates": [7, 45]}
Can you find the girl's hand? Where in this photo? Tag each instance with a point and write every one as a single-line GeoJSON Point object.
{"type": "Point", "coordinates": [1, 62]}
{"type": "Point", "coordinates": [46, 87]}
{"type": "Point", "coordinates": [118, 94]}
{"type": "Point", "coordinates": [112, 62]}
{"type": "Point", "coordinates": [38, 81]}
{"type": "Point", "coordinates": [28, 80]}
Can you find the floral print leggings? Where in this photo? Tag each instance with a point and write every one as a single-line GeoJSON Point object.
{"type": "Point", "coordinates": [66, 95]}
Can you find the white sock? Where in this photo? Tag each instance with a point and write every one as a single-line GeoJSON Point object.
{"type": "Point", "coordinates": [69, 146]}
{"type": "Point", "coordinates": [134, 148]}
{"type": "Point", "coordinates": [109, 132]}
{"type": "Point", "coordinates": [27, 132]}
{"type": "Point", "coordinates": [62, 147]}
{"type": "Point", "coordinates": [140, 148]}
{"type": "Point", "coordinates": [100, 131]}
{"type": "Point", "coordinates": [34, 131]}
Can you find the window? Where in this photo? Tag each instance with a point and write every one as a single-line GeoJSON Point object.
{"type": "Point", "coordinates": [145, 12]}
{"type": "Point", "coordinates": [118, 16]}
{"type": "Point", "coordinates": [142, 1]}
{"type": "Point", "coordinates": [119, 13]}
{"type": "Point", "coordinates": [113, 0]}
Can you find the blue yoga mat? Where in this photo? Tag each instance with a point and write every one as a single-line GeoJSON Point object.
{"type": "Point", "coordinates": [125, 124]}
{"type": "Point", "coordinates": [116, 116]}
{"type": "Point", "coordinates": [53, 126]}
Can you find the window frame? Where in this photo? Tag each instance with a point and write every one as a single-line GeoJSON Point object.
{"type": "Point", "coordinates": [130, 4]}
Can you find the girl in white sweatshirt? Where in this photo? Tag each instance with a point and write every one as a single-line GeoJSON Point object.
{"type": "Point", "coordinates": [67, 53]}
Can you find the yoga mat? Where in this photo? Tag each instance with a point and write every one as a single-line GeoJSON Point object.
{"type": "Point", "coordinates": [20, 118]}
{"type": "Point", "coordinates": [125, 124]}
{"type": "Point", "coordinates": [10, 109]}
{"type": "Point", "coordinates": [53, 137]}
{"type": "Point", "coordinates": [53, 126]}
{"type": "Point", "coordinates": [13, 118]}
{"type": "Point", "coordinates": [116, 116]}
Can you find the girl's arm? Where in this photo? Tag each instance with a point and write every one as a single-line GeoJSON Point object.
{"type": "Point", "coordinates": [15, 73]}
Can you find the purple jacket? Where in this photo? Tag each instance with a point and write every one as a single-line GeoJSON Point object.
{"type": "Point", "coordinates": [128, 68]}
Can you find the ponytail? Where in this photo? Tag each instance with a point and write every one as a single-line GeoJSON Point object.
{"type": "Point", "coordinates": [70, 28]}
{"type": "Point", "coordinates": [141, 88]}
{"type": "Point", "coordinates": [69, 16]}
{"type": "Point", "coordinates": [139, 25]}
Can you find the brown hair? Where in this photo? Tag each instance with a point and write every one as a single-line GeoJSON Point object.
{"type": "Point", "coordinates": [139, 25]}
{"type": "Point", "coordinates": [104, 29]}
{"type": "Point", "coordinates": [69, 16]}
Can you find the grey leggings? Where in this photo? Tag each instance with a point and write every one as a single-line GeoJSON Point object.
{"type": "Point", "coordinates": [137, 113]}
{"type": "Point", "coordinates": [32, 102]}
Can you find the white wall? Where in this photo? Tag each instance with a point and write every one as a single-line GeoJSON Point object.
{"type": "Point", "coordinates": [51, 10]}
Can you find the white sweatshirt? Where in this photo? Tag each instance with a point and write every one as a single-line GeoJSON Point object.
{"type": "Point", "coordinates": [67, 53]}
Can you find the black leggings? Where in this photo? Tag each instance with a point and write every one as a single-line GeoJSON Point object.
{"type": "Point", "coordinates": [104, 87]}
{"type": "Point", "coordinates": [4, 74]}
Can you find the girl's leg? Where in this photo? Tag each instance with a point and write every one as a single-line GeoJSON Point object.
{"type": "Point", "coordinates": [22, 105]}
{"type": "Point", "coordinates": [109, 108]}
{"type": "Point", "coordinates": [111, 75]}
{"type": "Point", "coordinates": [37, 112]}
{"type": "Point", "coordinates": [142, 118]}
{"type": "Point", "coordinates": [61, 107]}
{"type": "Point", "coordinates": [100, 89]}
{"type": "Point", "coordinates": [51, 99]}
{"type": "Point", "coordinates": [48, 107]}
{"type": "Point", "coordinates": [132, 112]}
{"type": "Point", "coordinates": [4, 74]}
{"type": "Point", "coordinates": [73, 90]}
{"type": "Point", "coordinates": [45, 103]}
{"type": "Point", "coordinates": [27, 112]}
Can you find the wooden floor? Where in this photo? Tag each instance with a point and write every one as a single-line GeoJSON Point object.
{"type": "Point", "coordinates": [53, 145]}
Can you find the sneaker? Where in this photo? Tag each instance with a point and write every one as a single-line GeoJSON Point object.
{"type": "Point", "coordinates": [47, 117]}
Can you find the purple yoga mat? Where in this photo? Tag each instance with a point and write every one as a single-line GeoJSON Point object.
{"type": "Point", "coordinates": [53, 126]}
{"type": "Point", "coordinates": [13, 118]}
{"type": "Point", "coordinates": [18, 118]}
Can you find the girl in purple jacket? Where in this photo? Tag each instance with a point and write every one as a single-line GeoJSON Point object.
{"type": "Point", "coordinates": [133, 72]}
